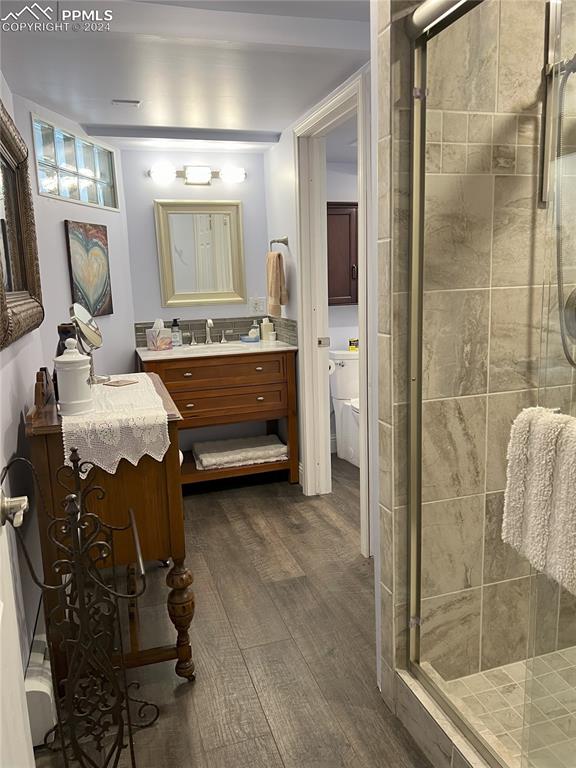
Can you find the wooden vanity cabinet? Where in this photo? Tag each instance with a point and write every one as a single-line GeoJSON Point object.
{"type": "Point", "coordinates": [227, 389]}
{"type": "Point", "coordinates": [342, 253]}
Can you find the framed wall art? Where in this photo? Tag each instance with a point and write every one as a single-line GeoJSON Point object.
{"type": "Point", "coordinates": [89, 264]}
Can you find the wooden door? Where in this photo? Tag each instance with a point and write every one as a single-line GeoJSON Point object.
{"type": "Point", "coordinates": [342, 253]}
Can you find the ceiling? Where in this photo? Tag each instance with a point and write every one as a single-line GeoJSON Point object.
{"type": "Point", "coordinates": [191, 67]}
{"type": "Point", "coordinates": [342, 143]}
{"type": "Point", "coordinates": [345, 10]}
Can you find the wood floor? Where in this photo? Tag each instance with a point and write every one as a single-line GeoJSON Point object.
{"type": "Point", "coordinates": [283, 638]}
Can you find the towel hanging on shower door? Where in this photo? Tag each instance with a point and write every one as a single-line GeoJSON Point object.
{"type": "Point", "coordinates": [540, 502]}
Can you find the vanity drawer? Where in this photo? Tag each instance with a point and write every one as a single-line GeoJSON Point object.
{"type": "Point", "coordinates": [224, 372]}
{"type": "Point", "coordinates": [232, 401]}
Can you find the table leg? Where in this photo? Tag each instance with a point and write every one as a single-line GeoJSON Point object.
{"type": "Point", "coordinates": [181, 611]}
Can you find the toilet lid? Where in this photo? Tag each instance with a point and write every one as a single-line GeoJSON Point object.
{"type": "Point", "coordinates": [355, 403]}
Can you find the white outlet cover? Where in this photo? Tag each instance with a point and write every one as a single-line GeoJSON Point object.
{"type": "Point", "coordinates": [257, 304]}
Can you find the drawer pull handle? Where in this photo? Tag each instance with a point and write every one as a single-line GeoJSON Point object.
{"type": "Point", "coordinates": [261, 397]}
{"type": "Point", "coordinates": [259, 368]}
{"type": "Point", "coordinates": [187, 374]}
{"type": "Point", "coordinates": [190, 405]}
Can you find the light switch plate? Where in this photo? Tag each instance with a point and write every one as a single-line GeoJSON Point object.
{"type": "Point", "coordinates": [257, 304]}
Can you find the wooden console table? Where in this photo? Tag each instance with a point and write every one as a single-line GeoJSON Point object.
{"type": "Point", "coordinates": [152, 489]}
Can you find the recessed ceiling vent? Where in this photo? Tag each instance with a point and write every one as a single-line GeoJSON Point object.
{"type": "Point", "coordinates": [135, 103]}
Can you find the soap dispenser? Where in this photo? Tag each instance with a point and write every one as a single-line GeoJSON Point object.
{"type": "Point", "coordinates": [254, 332]}
{"type": "Point", "coordinates": [176, 333]}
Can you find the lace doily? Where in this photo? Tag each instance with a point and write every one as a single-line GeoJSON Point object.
{"type": "Point", "coordinates": [126, 423]}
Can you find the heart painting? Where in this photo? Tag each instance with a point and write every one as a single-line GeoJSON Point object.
{"type": "Point", "coordinates": [89, 266]}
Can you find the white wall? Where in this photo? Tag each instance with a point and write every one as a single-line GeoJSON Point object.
{"type": "Point", "coordinates": [18, 364]}
{"type": "Point", "coordinates": [141, 191]}
{"type": "Point", "coordinates": [342, 187]}
{"type": "Point", "coordinates": [281, 207]}
{"type": "Point", "coordinates": [343, 322]}
{"type": "Point", "coordinates": [117, 354]}
{"type": "Point", "coordinates": [342, 182]}
{"type": "Point", "coordinates": [282, 203]}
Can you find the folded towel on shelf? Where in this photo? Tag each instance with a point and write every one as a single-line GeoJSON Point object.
{"type": "Point", "coordinates": [540, 501]}
{"type": "Point", "coordinates": [276, 283]}
{"type": "Point", "coordinates": [238, 452]}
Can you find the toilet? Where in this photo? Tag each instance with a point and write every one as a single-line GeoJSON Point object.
{"type": "Point", "coordinates": [345, 389]}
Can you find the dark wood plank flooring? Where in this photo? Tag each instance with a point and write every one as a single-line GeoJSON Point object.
{"type": "Point", "coordinates": [283, 638]}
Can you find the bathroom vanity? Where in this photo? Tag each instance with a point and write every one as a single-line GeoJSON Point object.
{"type": "Point", "coordinates": [229, 383]}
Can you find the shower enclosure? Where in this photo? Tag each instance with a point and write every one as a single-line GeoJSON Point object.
{"type": "Point", "coordinates": [493, 330]}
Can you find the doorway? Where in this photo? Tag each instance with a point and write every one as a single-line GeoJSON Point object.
{"type": "Point", "coordinates": [347, 109]}
{"type": "Point", "coordinates": [346, 399]}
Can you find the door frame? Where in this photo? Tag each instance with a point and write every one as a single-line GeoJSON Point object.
{"type": "Point", "coordinates": [352, 97]}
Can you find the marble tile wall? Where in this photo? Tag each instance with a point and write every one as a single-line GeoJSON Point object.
{"type": "Point", "coordinates": [485, 260]}
{"type": "Point", "coordinates": [485, 266]}
{"type": "Point", "coordinates": [387, 414]}
{"type": "Point", "coordinates": [484, 269]}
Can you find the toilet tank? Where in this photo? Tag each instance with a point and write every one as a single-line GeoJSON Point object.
{"type": "Point", "coordinates": [344, 374]}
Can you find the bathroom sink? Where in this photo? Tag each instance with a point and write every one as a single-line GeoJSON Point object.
{"type": "Point", "coordinates": [212, 350]}
{"type": "Point", "coordinates": [197, 350]}
{"type": "Point", "coordinates": [216, 348]}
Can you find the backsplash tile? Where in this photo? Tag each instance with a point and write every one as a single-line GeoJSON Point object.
{"type": "Point", "coordinates": [287, 330]}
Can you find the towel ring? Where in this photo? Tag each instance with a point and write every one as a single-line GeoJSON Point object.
{"type": "Point", "coordinates": [280, 240]}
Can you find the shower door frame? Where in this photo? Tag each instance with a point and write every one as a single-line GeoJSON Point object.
{"type": "Point", "coordinates": [417, 213]}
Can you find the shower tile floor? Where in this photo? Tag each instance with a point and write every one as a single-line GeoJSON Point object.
{"type": "Point", "coordinates": [541, 691]}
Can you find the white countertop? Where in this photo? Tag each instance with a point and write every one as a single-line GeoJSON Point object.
{"type": "Point", "coordinates": [212, 350]}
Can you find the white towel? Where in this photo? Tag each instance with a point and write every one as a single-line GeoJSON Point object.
{"type": "Point", "coordinates": [540, 501]}
{"type": "Point", "coordinates": [561, 557]}
{"type": "Point", "coordinates": [239, 452]}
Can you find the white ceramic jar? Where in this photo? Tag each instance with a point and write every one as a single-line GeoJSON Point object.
{"type": "Point", "coordinates": [73, 371]}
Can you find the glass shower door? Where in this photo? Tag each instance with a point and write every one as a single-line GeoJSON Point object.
{"type": "Point", "coordinates": [549, 733]}
{"type": "Point", "coordinates": [488, 632]}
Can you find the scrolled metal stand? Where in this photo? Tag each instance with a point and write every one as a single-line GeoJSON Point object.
{"type": "Point", "coordinates": [95, 722]}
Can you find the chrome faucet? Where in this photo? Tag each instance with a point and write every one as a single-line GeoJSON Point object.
{"type": "Point", "coordinates": [209, 324]}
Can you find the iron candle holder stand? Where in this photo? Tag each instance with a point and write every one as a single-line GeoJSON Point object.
{"type": "Point", "coordinates": [93, 702]}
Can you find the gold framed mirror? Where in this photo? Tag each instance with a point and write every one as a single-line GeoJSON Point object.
{"type": "Point", "coordinates": [21, 307]}
{"type": "Point", "coordinates": [200, 252]}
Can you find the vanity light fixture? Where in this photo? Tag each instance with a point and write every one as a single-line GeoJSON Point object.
{"type": "Point", "coordinates": [164, 173]}
{"type": "Point", "coordinates": [197, 174]}
{"type": "Point", "coordinates": [232, 174]}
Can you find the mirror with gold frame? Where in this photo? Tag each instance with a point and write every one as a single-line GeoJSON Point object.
{"type": "Point", "coordinates": [21, 307]}
{"type": "Point", "coordinates": [200, 252]}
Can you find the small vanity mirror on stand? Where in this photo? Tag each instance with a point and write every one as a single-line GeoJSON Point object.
{"type": "Point", "coordinates": [89, 337]}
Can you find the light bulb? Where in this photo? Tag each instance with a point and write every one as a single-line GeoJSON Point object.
{"type": "Point", "coordinates": [163, 173]}
{"type": "Point", "coordinates": [232, 174]}
{"type": "Point", "coordinates": [197, 174]}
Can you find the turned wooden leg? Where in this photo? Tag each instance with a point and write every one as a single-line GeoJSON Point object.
{"type": "Point", "coordinates": [181, 611]}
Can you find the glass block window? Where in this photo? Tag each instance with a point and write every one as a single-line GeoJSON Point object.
{"type": "Point", "coordinates": [72, 168]}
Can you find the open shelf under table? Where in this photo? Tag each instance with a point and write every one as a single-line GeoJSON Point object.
{"type": "Point", "coordinates": [190, 474]}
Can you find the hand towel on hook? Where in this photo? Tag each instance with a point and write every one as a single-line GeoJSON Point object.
{"type": "Point", "coordinates": [276, 283]}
